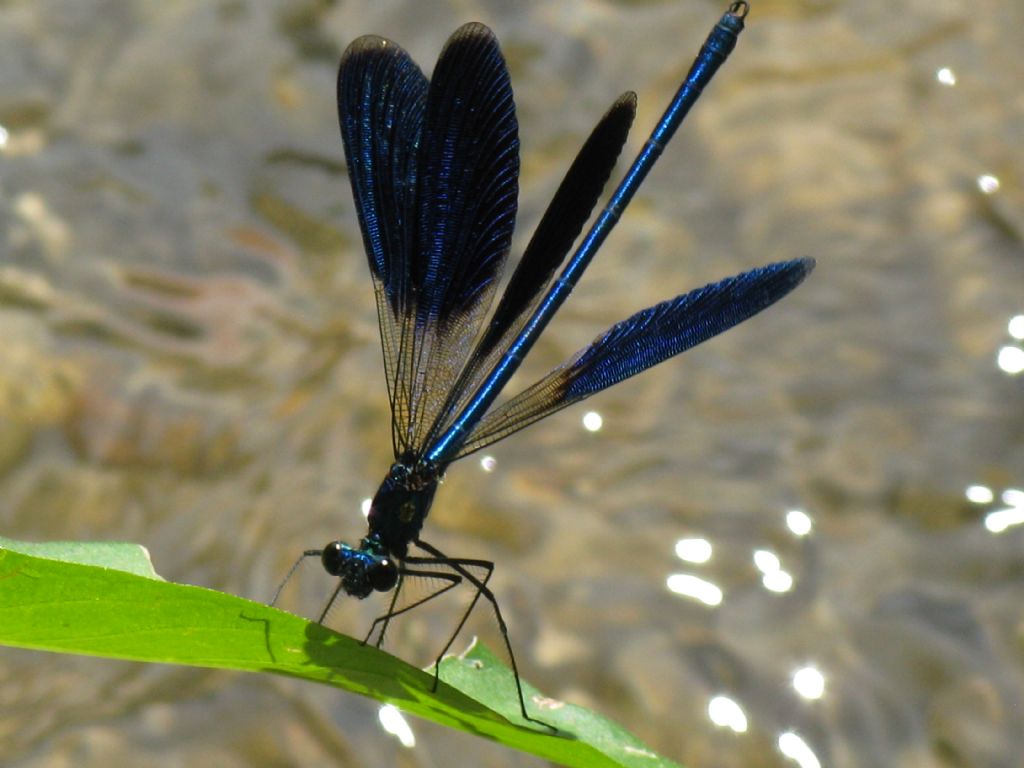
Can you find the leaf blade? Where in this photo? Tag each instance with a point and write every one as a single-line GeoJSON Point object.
{"type": "Point", "coordinates": [68, 607]}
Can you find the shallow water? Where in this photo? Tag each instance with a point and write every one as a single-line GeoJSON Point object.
{"type": "Point", "coordinates": [190, 361]}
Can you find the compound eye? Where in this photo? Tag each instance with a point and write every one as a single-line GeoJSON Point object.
{"type": "Point", "coordinates": [332, 558]}
{"type": "Point", "coordinates": [384, 575]}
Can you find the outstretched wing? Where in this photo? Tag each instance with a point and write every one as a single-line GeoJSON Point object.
{"type": "Point", "coordinates": [561, 224]}
{"type": "Point", "coordinates": [382, 97]}
{"type": "Point", "coordinates": [434, 170]}
{"type": "Point", "coordinates": [645, 339]}
{"type": "Point", "coordinates": [468, 190]}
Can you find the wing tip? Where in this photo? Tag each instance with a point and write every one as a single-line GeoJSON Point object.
{"type": "Point", "coordinates": [626, 101]}
{"type": "Point", "coordinates": [474, 29]}
{"type": "Point", "coordinates": [366, 53]}
{"type": "Point", "coordinates": [367, 44]}
{"type": "Point", "coordinates": [795, 270]}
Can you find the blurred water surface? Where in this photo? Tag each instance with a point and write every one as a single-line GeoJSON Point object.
{"type": "Point", "coordinates": [189, 360]}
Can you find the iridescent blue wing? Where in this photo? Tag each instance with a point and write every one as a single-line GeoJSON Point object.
{"type": "Point", "coordinates": [434, 170]}
{"type": "Point", "coordinates": [382, 98]}
{"type": "Point", "coordinates": [468, 184]}
{"type": "Point", "coordinates": [645, 339]}
{"type": "Point", "coordinates": [561, 224]}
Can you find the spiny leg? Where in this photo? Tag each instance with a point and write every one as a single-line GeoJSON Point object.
{"type": "Point", "coordinates": [460, 566]}
{"type": "Point", "coordinates": [330, 602]}
{"type": "Point", "coordinates": [291, 571]}
{"type": "Point", "coordinates": [386, 618]}
{"type": "Point", "coordinates": [452, 579]}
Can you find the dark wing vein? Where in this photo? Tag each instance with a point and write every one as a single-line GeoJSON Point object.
{"type": "Point", "coordinates": [561, 224]}
{"type": "Point", "coordinates": [641, 341]}
{"type": "Point", "coordinates": [381, 101]}
{"type": "Point", "coordinates": [467, 189]}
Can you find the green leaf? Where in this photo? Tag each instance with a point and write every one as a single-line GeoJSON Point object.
{"type": "Point", "coordinates": [119, 555]}
{"type": "Point", "coordinates": [105, 600]}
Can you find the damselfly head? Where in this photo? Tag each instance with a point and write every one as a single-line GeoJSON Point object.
{"type": "Point", "coordinates": [363, 570]}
